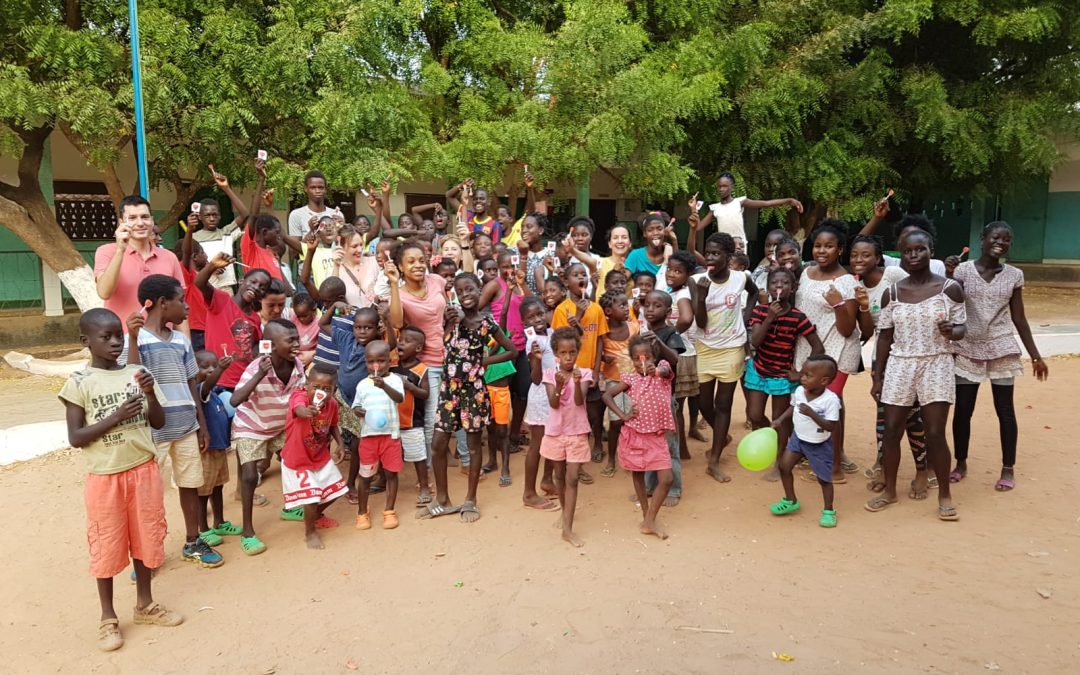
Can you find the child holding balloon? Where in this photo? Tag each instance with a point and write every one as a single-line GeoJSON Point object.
{"type": "Point", "coordinates": [815, 412]}
{"type": "Point", "coordinates": [376, 403]}
{"type": "Point", "coordinates": [643, 442]}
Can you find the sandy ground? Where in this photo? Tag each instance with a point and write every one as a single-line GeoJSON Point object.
{"type": "Point", "coordinates": [897, 591]}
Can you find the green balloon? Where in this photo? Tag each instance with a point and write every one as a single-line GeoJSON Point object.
{"type": "Point", "coordinates": [757, 449]}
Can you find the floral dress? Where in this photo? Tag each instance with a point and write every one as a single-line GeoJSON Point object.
{"type": "Point", "coordinates": [463, 395]}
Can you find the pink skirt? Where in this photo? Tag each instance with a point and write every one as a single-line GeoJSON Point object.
{"type": "Point", "coordinates": [643, 452]}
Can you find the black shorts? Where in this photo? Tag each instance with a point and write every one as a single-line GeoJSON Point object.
{"type": "Point", "coordinates": [522, 379]}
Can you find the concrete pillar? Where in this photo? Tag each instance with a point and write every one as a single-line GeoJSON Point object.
{"type": "Point", "coordinates": [51, 288]}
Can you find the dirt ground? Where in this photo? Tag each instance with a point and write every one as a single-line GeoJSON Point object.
{"type": "Point", "coordinates": [898, 591]}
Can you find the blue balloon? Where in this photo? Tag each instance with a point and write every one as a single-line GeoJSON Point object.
{"type": "Point", "coordinates": [376, 418]}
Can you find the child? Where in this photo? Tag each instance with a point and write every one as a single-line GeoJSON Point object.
{"type": "Point", "coordinates": [497, 378]}
{"type": "Point", "coordinates": [815, 411]}
{"type": "Point", "coordinates": [308, 476]}
{"type": "Point", "coordinates": [994, 303]}
{"type": "Point", "coordinates": [233, 327]}
{"type": "Point", "coordinates": [721, 341]}
{"type": "Point", "coordinates": [642, 441]}
{"type": "Point", "coordinates": [739, 262]}
{"type": "Point", "coordinates": [463, 398]}
{"type": "Point", "coordinates": [192, 260]}
{"type": "Point", "coordinates": [775, 328]}
{"type": "Point", "coordinates": [554, 294]}
{"type": "Point", "coordinates": [541, 359]}
{"type": "Point", "coordinates": [585, 316]}
{"type": "Point", "coordinates": [261, 400]}
{"type": "Point", "coordinates": [376, 403]}
{"type": "Point", "coordinates": [616, 361]}
{"type": "Point", "coordinates": [645, 283]}
{"type": "Point", "coordinates": [110, 411]}
{"type": "Point", "coordinates": [677, 273]}
{"type": "Point", "coordinates": [302, 315]}
{"type": "Point", "coordinates": [350, 335]}
{"type": "Point", "coordinates": [167, 354]}
{"type": "Point", "coordinates": [566, 432]}
{"type": "Point", "coordinates": [668, 344]}
{"type": "Point", "coordinates": [447, 269]}
{"type": "Point", "coordinates": [272, 305]}
{"type": "Point", "coordinates": [215, 461]}
{"type": "Point", "coordinates": [414, 377]}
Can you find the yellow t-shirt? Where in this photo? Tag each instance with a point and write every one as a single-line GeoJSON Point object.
{"type": "Point", "coordinates": [100, 392]}
{"type": "Point", "coordinates": [512, 237]}
{"type": "Point", "coordinates": [322, 263]}
{"type": "Point", "coordinates": [593, 324]}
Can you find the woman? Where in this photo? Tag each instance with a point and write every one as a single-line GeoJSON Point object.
{"type": "Point", "coordinates": [354, 267]}
{"type": "Point", "coordinates": [619, 244]}
{"type": "Point", "coordinates": [728, 212]}
{"type": "Point", "coordinates": [656, 250]}
{"type": "Point", "coordinates": [993, 298]}
{"type": "Point", "coordinates": [921, 316]}
{"type": "Point", "coordinates": [872, 278]}
{"type": "Point", "coordinates": [826, 295]}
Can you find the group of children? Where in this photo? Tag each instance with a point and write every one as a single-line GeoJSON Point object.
{"type": "Point", "coordinates": [419, 334]}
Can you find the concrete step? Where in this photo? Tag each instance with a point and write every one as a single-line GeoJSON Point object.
{"type": "Point", "coordinates": [1051, 274]}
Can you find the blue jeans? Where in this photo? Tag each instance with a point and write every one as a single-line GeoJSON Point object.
{"type": "Point", "coordinates": [651, 479]}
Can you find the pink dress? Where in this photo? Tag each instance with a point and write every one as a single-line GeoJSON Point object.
{"type": "Point", "coordinates": [642, 442]}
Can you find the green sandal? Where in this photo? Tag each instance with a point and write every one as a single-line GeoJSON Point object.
{"type": "Point", "coordinates": [295, 515]}
{"type": "Point", "coordinates": [784, 507]}
{"type": "Point", "coordinates": [252, 545]}
{"type": "Point", "coordinates": [828, 518]}
{"type": "Point", "coordinates": [227, 529]}
{"type": "Point", "coordinates": [211, 538]}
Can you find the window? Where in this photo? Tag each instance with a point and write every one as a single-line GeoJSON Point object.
{"type": "Point", "coordinates": [84, 210]}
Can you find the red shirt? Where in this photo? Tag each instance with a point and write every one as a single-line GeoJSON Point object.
{"type": "Point", "coordinates": [196, 303]}
{"type": "Point", "coordinates": [229, 328]}
{"type": "Point", "coordinates": [307, 439]}
{"type": "Point", "coordinates": [124, 300]}
{"type": "Point", "coordinates": [256, 257]}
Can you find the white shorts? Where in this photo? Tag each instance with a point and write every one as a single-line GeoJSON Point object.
{"type": "Point", "coordinates": [926, 379]}
{"type": "Point", "coordinates": [414, 445]}
{"type": "Point", "coordinates": [311, 486]}
{"type": "Point", "coordinates": [537, 407]}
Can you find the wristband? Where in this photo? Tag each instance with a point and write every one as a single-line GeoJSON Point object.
{"type": "Point", "coordinates": [838, 305]}
{"type": "Point", "coordinates": [864, 311]}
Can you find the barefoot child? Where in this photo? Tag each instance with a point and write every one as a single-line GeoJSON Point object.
{"type": "Point", "coordinates": [815, 411]}
{"type": "Point", "coordinates": [668, 344]}
{"type": "Point", "coordinates": [110, 411]}
{"type": "Point", "coordinates": [167, 354]}
{"type": "Point", "coordinates": [309, 478]}
{"type": "Point", "coordinates": [414, 377]}
{"type": "Point", "coordinates": [215, 461]}
{"type": "Point", "coordinates": [498, 376]}
{"type": "Point", "coordinates": [643, 442]}
{"type": "Point", "coordinates": [261, 400]}
{"type": "Point", "coordinates": [566, 433]}
{"type": "Point", "coordinates": [376, 404]}
{"type": "Point", "coordinates": [541, 359]}
{"type": "Point", "coordinates": [775, 327]}
{"type": "Point", "coordinates": [679, 267]}
{"type": "Point", "coordinates": [616, 361]}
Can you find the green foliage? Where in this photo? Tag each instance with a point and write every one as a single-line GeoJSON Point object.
{"type": "Point", "coordinates": [830, 101]}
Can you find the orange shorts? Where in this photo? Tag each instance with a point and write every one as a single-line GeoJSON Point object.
{"type": "Point", "coordinates": [574, 449]}
{"type": "Point", "coordinates": [500, 404]}
{"type": "Point", "coordinates": [125, 517]}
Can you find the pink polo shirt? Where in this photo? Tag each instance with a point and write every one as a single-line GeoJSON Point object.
{"type": "Point", "coordinates": [125, 297]}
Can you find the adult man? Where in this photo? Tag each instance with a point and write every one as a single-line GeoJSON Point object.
{"type": "Point", "coordinates": [302, 219]}
{"type": "Point", "coordinates": [119, 267]}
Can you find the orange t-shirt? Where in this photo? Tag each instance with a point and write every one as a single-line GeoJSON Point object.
{"type": "Point", "coordinates": [620, 349]}
{"type": "Point", "coordinates": [593, 325]}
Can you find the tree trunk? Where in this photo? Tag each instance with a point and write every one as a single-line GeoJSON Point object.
{"type": "Point", "coordinates": [184, 194]}
{"type": "Point", "coordinates": [25, 212]}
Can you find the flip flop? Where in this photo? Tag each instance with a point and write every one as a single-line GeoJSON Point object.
{"type": "Point", "coordinates": [955, 476]}
{"type": "Point", "coordinates": [876, 485]}
{"type": "Point", "coordinates": [1004, 485]}
{"type": "Point", "coordinates": [434, 510]}
{"type": "Point", "coordinates": [947, 513]}
{"type": "Point", "coordinates": [878, 503]}
{"type": "Point", "coordinates": [585, 479]}
{"type": "Point", "coordinates": [468, 512]}
{"type": "Point", "coordinates": [422, 500]}
{"type": "Point", "coordinates": [504, 481]}
{"type": "Point", "coordinates": [548, 506]}
{"type": "Point", "coordinates": [259, 500]}
{"type": "Point", "coordinates": [325, 523]}
{"type": "Point", "coordinates": [848, 466]}
{"type": "Point", "coordinates": [608, 472]}
{"type": "Point", "coordinates": [597, 456]}
{"type": "Point", "coordinates": [352, 498]}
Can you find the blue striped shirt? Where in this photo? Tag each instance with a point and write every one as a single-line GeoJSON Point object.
{"type": "Point", "coordinates": [172, 364]}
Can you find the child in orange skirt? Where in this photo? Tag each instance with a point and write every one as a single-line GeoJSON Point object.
{"type": "Point", "coordinates": [642, 441]}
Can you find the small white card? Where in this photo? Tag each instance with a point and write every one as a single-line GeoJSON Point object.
{"type": "Point", "coordinates": [635, 292]}
{"type": "Point", "coordinates": [530, 332]}
{"type": "Point", "coordinates": [515, 260]}
{"type": "Point", "coordinates": [195, 206]}
{"type": "Point", "coordinates": [318, 398]}
{"type": "Point", "coordinates": [261, 154]}
{"type": "Point", "coordinates": [264, 347]}
{"type": "Point", "coordinates": [551, 246]}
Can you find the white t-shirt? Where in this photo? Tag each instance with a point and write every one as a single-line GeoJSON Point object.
{"type": "Point", "coordinates": [378, 405]}
{"type": "Point", "coordinates": [729, 217]}
{"type": "Point", "coordinates": [691, 333]}
{"type": "Point", "coordinates": [298, 219]}
{"type": "Point", "coordinates": [725, 327]}
{"type": "Point", "coordinates": [227, 277]}
{"type": "Point", "coordinates": [547, 357]}
{"type": "Point", "coordinates": [936, 266]}
{"type": "Point", "coordinates": [827, 407]}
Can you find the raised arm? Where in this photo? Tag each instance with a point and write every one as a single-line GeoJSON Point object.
{"type": "Point", "coordinates": [240, 210]}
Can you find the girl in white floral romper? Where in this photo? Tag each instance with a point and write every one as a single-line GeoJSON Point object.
{"type": "Point", "coordinates": [920, 318]}
{"type": "Point", "coordinates": [994, 300]}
